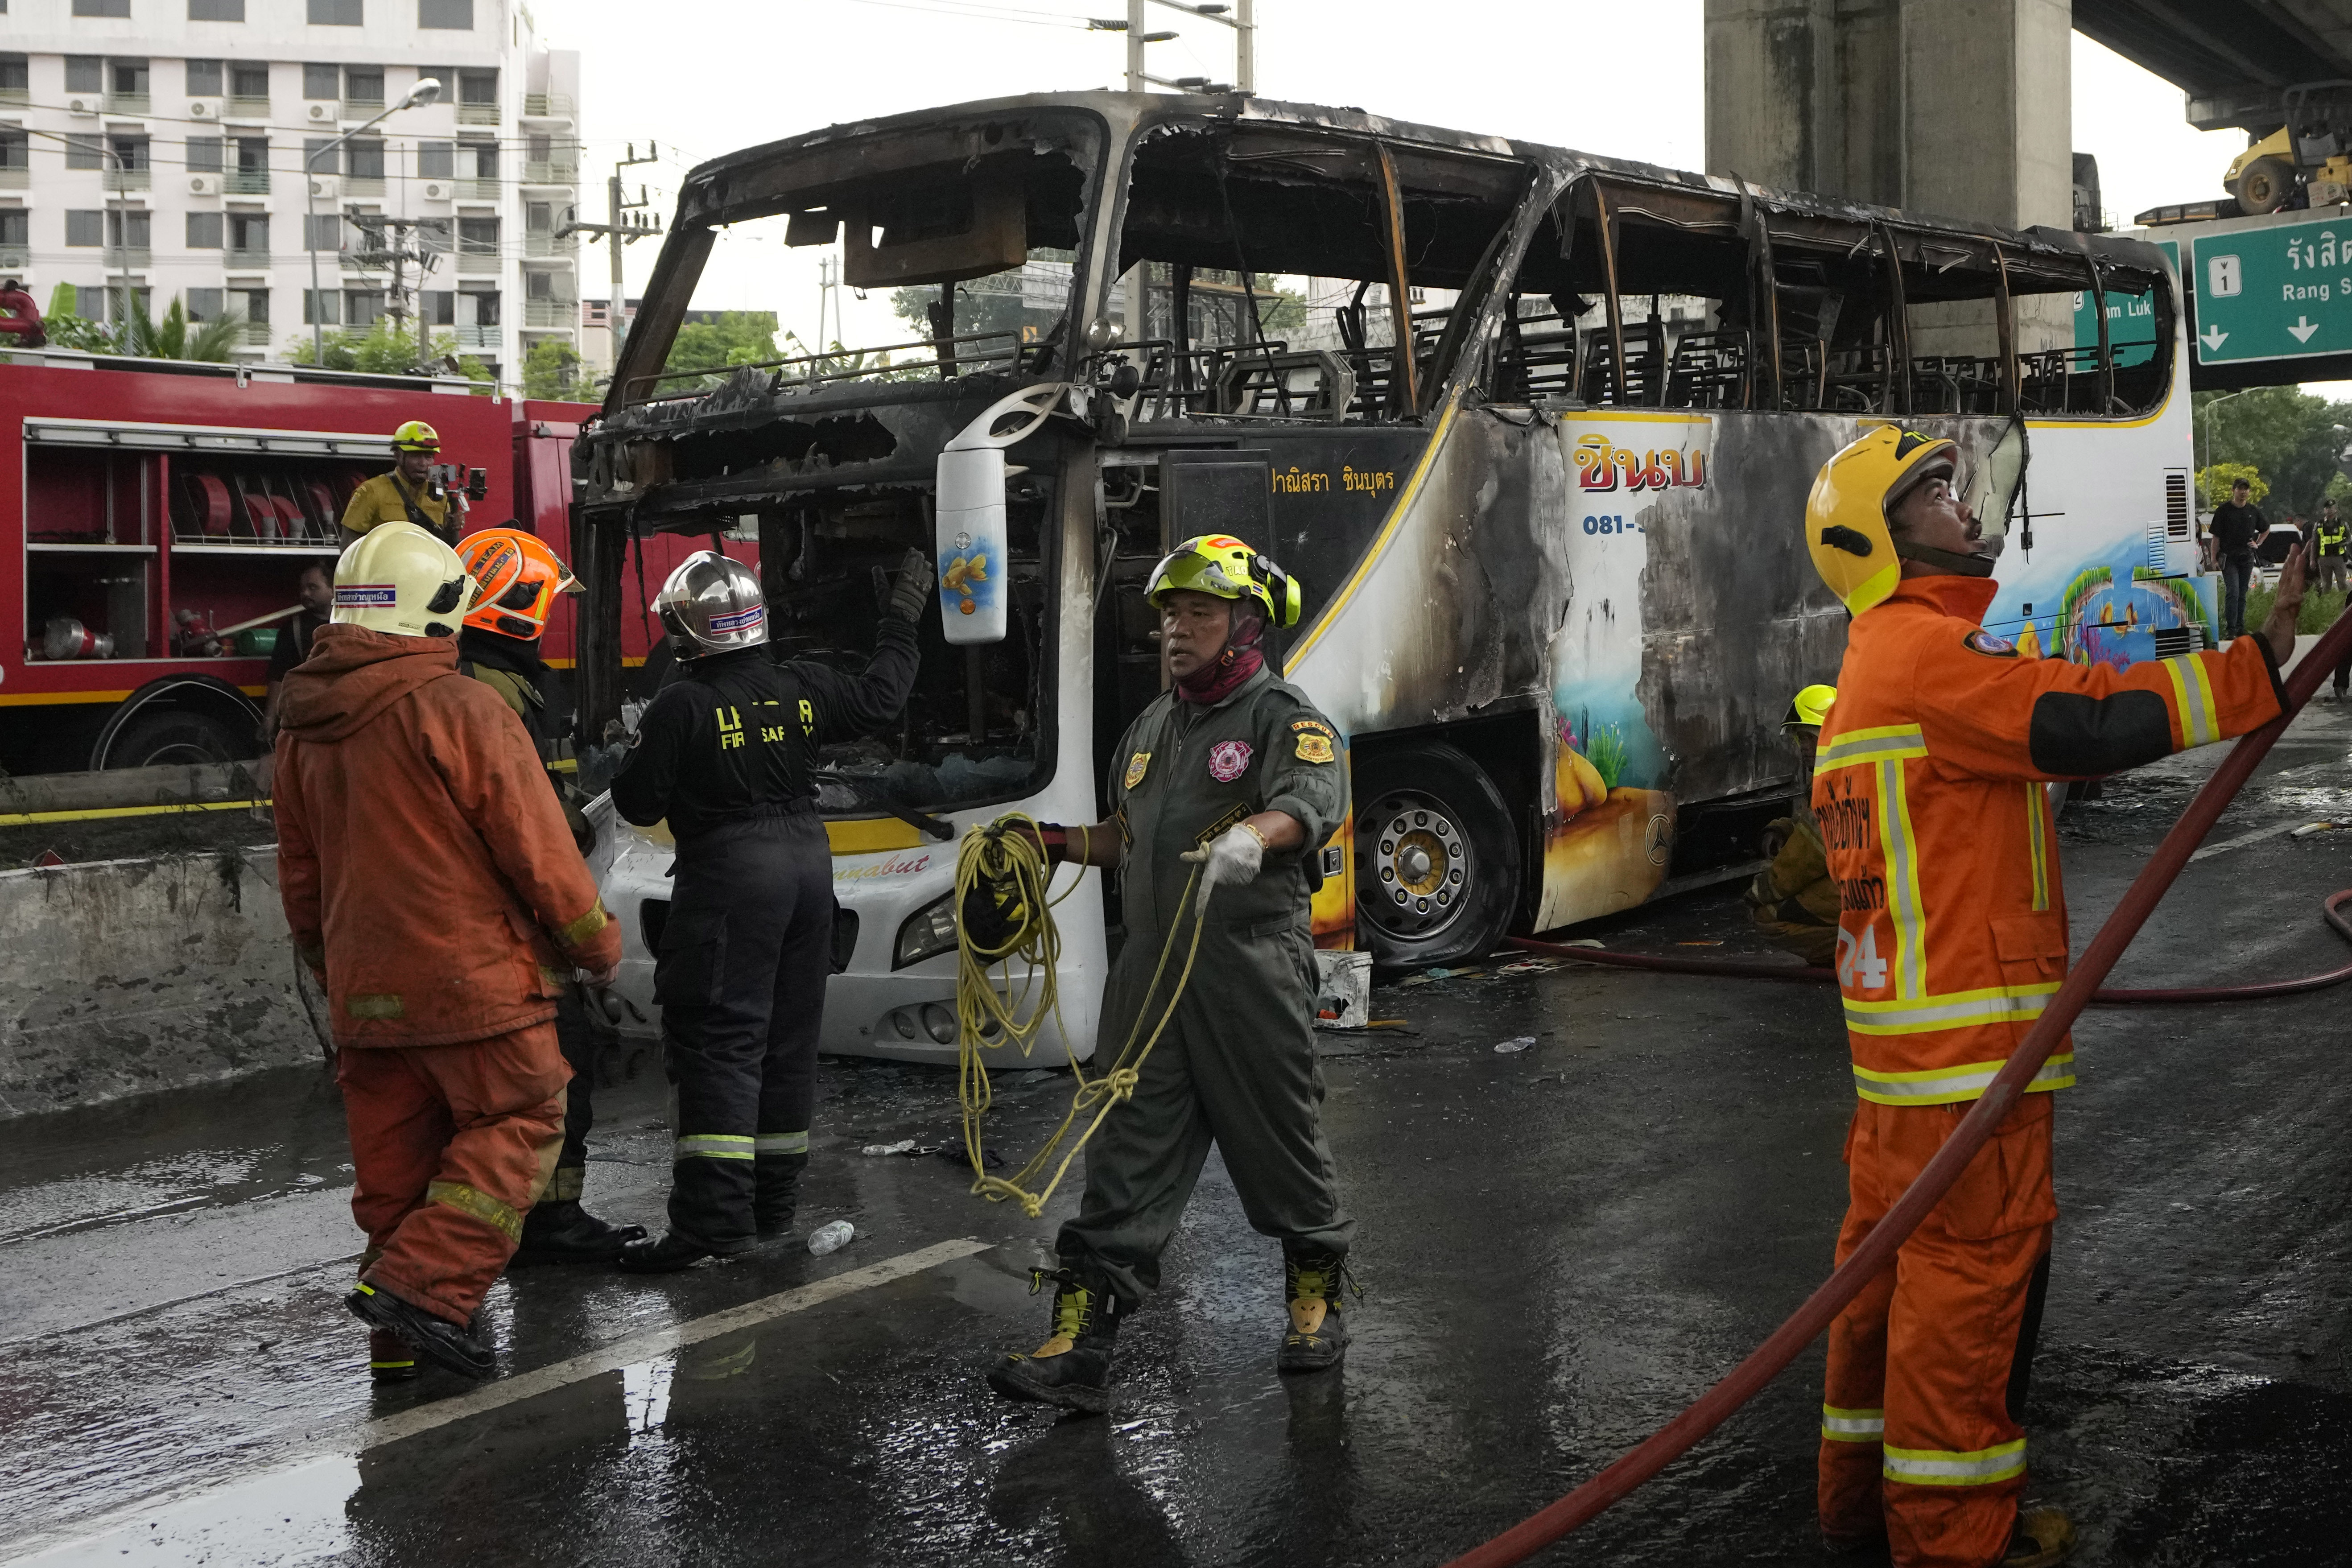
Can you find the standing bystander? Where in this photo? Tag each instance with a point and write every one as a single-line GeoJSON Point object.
{"type": "Point", "coordinates": [316, 588]}
{"type": "Point", "coordinates": [2238, 528]}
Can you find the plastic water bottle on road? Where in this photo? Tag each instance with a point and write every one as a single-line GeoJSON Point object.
{"type": "Point", "coordinates": [831, 1237]}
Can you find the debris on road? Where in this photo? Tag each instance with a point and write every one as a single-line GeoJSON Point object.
{"type": "Point", "coordinates": [831, 1237]}
{"type": "Point", "coordinates": [1520, 1044]}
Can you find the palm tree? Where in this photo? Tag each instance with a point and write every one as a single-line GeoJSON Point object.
{"type": "Point", "coordinates": [175, 337]}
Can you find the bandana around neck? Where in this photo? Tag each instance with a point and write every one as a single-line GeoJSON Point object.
{"type": "Point", "coordinates": [1223, 676]}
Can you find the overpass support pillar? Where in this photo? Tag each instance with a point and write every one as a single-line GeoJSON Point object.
{"type": "Point", "coordinates": [1961, 109]}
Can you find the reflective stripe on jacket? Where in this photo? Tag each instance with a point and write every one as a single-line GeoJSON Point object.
{"type": "Point", "coordinates": [1929, 785]}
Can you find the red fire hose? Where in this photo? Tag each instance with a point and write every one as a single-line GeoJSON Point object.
{"type": "Point", "coordinates": [2331, 909]}
{"type": "Point", "coordinates": [1878, 1250]}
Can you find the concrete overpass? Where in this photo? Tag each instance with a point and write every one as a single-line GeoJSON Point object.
{"type": "Point", "coordinates": [2234, 59]}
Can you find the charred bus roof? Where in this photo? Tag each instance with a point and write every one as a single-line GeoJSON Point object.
{"type": "Point", "coordinates": [894, 167]}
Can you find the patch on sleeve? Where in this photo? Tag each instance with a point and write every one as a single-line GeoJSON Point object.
{"type": "Point", "coordinates": [1136, 765]}
{"type": "Point", "coordinates": [1313, 747]}
{"type": "Point", "coordinates": [1984, 642]}
{"type": "Point", "coordinates": [1310, 724]}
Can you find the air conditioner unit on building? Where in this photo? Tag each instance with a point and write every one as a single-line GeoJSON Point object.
{"type": "Point", "coordinates": [14, 260]}
{"type": "Point", "coordinates": [321, 114]}
{"type": "Point", "coordinates": [204, 184]}
{"type": "Point", "coordinates": [323, 186]}
{"type": "Point", "coordinates": [202, 108]}
{"type": "Point", "coordinates": [83, 104]}
{"type": "Point", "coordinates": [436, 190]}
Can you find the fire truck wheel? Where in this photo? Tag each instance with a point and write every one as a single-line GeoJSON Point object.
{"type": "Point", "coordinates": [1437, 864]}
{"type": "Point", "coordinates": [174, 737]}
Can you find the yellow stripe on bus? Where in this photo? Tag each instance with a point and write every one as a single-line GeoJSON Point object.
{"type": "Point", "coordinates": [1380, 541]}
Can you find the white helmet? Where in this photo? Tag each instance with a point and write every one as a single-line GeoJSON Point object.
{"type": "Point", "coordinates": [713, 604]}
{"type": "Point", "coordinates": [398, 578]}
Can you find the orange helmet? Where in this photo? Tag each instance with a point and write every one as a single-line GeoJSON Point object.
{"type": "Point", "coordinates": [520, 577]}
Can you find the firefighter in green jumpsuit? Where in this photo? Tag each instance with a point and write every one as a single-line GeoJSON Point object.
{"type": "Point", "coordinates": [1229, 782]}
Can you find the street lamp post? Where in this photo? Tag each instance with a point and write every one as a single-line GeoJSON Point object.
{"type": "Point", "coordinates": [423, 94]}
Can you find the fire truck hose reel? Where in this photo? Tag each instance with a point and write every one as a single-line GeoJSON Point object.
{"type": "Point", "coordinates": [1878, 1250]}
{"type": "Point", "coordinates": [1002, 880]}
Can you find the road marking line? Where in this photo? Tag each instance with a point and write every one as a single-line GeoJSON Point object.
{"type": "Point", "coordinates": [655, 1342]}
{"type": "Point", "coordinates": [78, 1533]}
{"type": "Point", "coordinates": [2243, 839]}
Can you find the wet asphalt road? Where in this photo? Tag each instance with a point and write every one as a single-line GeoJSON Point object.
{"type": "Point", "coordinates": [1560, 1245]}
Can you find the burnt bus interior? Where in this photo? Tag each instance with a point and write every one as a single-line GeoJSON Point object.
{"type": "Point", "coordinates": [1815, 311]}
{"type": "Point", "coordinates": [980, 718]}
{"type": "Point", "coordinates": [973, 218]}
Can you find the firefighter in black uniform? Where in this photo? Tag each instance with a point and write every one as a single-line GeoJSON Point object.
{"type": "Point", "coordinates": [498, 646]}
{"type": "Point", "coordinates": [726, 751]}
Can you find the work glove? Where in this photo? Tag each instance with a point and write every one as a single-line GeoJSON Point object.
{"type": "Point", "coordinates": [912, 590]}
{"type": "Point", "coordinates": [1232, 857]}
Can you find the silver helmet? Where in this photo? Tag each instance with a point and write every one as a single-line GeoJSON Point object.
{"type": "Point", "coordinates": [713, 604]}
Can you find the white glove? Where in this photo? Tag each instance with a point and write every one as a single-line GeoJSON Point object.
{"type": "Point", "coordinates": [1233, 858]}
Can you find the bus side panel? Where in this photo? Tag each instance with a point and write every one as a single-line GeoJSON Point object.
{"type": "Point", "coordinates": [2109, 580]}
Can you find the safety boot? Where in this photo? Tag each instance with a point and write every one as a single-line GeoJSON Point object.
{"type": "Point", "coordinates": [1072, 1368]}
{"type": "Point", "coordinates": [670, 1255]}
{"type": "Point", "coordinates": [1316, 1335]}
{"type": "Point", "coordinates": [2043, 1536]}
{"type": "Point", "coordinates": [389, 1358]}
{"type": "Point", "coordinates": [435, 1338]}
{"type": "Point", "coordinates": [776, 1195]}
{"type": "Point", "coordinates": [561, 1231]}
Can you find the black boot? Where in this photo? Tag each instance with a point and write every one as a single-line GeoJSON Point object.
{"type": "Point", "coordinates": [672, 1253]}
{"type": "Point", "coordinates": [777, 1195]}
{"type": "Point", "coordinates": [389, 1358]}
{"type": "Point", "coordinates": [561, 1231]}
{"type": "Point", "coordinates": [435, 1338]}
{"type": "Point", "coordinates": [1072, 1368]}
{"type": "Point", "coordinates": [1317, 1336]}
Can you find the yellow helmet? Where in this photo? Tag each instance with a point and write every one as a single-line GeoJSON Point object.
{"type": "Point", "coordinates": [1810, 707]}
{"type": "Point", "coordinates": [1845, 517]}
{"type": "Point", "coordinates": [417, 436]}
{"type": "Point", "coordinates": [1223, 566]}
{"type": "Point", "coordinates": [398, 578]}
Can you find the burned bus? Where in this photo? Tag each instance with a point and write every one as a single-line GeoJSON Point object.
{"type": "Point", "coordinates": [1533, 428]}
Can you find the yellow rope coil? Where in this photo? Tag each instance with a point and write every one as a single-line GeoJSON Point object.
{"type": "Point", "coordinates": [990, 1015]}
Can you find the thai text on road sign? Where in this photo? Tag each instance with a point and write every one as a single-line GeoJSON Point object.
{"type": "Point", "coordinates": [2283, 292]}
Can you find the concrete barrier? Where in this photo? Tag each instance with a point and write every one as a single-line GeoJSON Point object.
{"type": "Point", "coordinates": [131, 977]}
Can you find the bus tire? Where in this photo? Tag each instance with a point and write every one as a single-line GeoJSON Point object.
{"type": "Point", "coordinates": [1437, 861]}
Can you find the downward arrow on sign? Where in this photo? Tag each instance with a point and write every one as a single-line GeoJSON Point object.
{"type": "Point", "coordinates": [2213, 337]}
{"type": "Point", "coordinates": [2302, 328]}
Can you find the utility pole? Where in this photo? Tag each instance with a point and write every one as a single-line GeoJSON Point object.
{"type": "Point", "coordinates": [625, 229]}
{"type": "Point", "coordinates": [1242, 20]}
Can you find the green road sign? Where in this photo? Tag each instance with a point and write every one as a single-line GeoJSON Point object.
{"type": "Point", "coordinates": [2283, 292]}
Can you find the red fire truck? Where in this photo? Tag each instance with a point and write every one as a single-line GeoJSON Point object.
{"type": "Point", "coordinates": [158, 514]}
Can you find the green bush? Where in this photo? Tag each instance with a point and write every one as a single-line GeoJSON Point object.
{"type": "Point", "coordinates": [2318, 613]}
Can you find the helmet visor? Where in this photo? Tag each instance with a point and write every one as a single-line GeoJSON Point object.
{"type": "Point", "coordinates": [1999, 479]}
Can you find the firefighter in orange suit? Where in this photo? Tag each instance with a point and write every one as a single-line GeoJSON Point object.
{"type": "Point", "coordinates": [1930, 789]}
{"type": "Point", "coordinates": [432, 885]}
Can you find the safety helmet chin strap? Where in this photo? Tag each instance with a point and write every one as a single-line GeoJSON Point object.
{"type": "Point", "coordinates": [1945, 560]}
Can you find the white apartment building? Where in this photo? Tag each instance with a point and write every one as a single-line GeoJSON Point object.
{"type": "Point", "coordinates": [160, 146]}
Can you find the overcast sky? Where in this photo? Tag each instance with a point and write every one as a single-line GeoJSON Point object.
{"type": "Point", "coordinates": [706, 76]}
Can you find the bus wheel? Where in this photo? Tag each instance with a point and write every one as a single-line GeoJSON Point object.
{"type": "Point", "coordinates": [1437, 865]}
{"type": "Point", "coordinates": [174, 737]}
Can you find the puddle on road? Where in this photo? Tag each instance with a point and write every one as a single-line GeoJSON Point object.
{"type": "Point", "coordinates": [274, 1520]}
